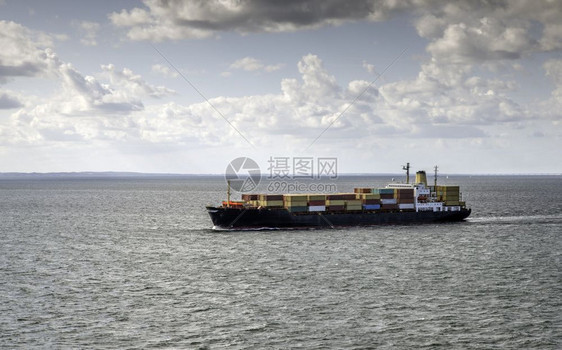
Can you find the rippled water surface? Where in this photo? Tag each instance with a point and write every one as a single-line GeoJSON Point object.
{"type": "Point", "coordinates": [132, 263]}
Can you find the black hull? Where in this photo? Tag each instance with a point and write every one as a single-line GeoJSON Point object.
{"type": "Point", "coordinates": [252, 218]}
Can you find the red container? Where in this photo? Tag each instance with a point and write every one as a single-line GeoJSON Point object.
{"type": "Point", "coordinates": [271, 197]}
{"type": "Point", "coordinates": [406, 200]}
{"type": "Point", "coordinates": [341, 196]}
{"type": "Point", "coordinates": [335, 207]}
{"type": "Point", "coordinates": [250, 197]}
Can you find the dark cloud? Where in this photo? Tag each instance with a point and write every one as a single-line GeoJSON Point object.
{"type": "Point", "coordinates": [9, 102]}
{"type": "Point", "coordinates": [24, 69]}
{"type": "Point", "coordinates": [178, 19]}
{"type": "Point", "coordinates": [254, 15]}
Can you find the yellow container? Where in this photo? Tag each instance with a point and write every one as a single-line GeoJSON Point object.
{"type": "Point", "coordinates": [316, 197]}
{"type": "Point", "coordinates": [271, 203]}
{"type": "Point", "coordinates": [368, 196]}
{"type": "Point", "coordinates": [295, 197]}
{"type": "Point", "coordinates": [335, 202]}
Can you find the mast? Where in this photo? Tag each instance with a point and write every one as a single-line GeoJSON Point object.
{"type": "Point", "coordinates": [228, 193]}
{"type": "Point", "coordinates": [435, 178]}
{"type": "Point", "coordinates": [407, 168]}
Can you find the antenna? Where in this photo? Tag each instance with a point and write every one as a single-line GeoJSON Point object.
{"type": "Point", "coordinates": [435, 178]}
{"type": "Point", "coordinates": [407, 168]}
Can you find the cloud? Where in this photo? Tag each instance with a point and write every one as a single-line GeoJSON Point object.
{"type": "Point", "coordinates": [467, 32]}
{"type": "Point", "coordinates": [85, 107]}
{"type": "Point", "coordinates": [443, 101]}
{"type": "Point", "coordinates": [23, 51]}
{"type": "Point", "coordinates": [118, 92]}
{"type": "Point", "coordinates": [90, 31]}
{"type": "Point", "coordinates": [8, 101]}
{"type": "Point", "coordinates": [253, 64]}
{"type": "Point", "coordinates": [126, 80]}
{"type": "Point", "coordinates": [164, 71]}
{"type": "Point", "coordinates": [85, 94]}
{"type": "Point", "coordinates": [176, 19]}
{"type": "Point", "coordinates": [552, 107]}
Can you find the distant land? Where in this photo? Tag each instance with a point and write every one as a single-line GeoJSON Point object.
{"type": "Point", "coordinates": [93, 174]}
{"type": "Point", "coordinates": [117, 174]}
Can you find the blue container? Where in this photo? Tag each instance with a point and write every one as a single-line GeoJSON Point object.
{"type": "Point", "coordinates": [371, 206]}
{"type": "Point", "coordinates": [383, 190]}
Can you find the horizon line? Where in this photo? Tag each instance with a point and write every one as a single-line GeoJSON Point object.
{"type": "Point", "coordinates": [138, 173]}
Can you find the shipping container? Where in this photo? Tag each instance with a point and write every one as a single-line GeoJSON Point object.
{"type": "Point", "coordinates": [335, 202]}
{"type": "Point", "coordinates": [317, 208]}
{"type": "Point", "coordinates": [295, 197]}
{"type": "Point", "coordinates": [271, 203]}
{"type": "Point", "coordinates": [295, 200]}
{"type": "Point", "coordinates": [371, 206]}
{"type": "Point", "coordinates": [250, 197]}
{"type": "Point", "coordinates": [406, 206]}
{"type": "Point", "coordinates": [383, 191]}
{"type": "Point", "coordinates": [387, 191]}
{"type": "Point", "coordinates": [341, 196]}
{"type": "Point", "coordinates": [388, 201]}
{"type": "Point", "coordinates": [318, 202]}
{"type": "Point", "coordinates": [354, 202]}
{"type": "Point", "coordinates": [406, 194]}
{"type": "Point", "coordinates": [271, 197]}
{"type": "Point", "coordinates": [335, 207]}
{"type": "Point", "coordinates": [405, 200]}
{"type": "Point", "coordinates": [372, 201]}
{"type": "Point", "coordinates": [316, 197]}
{"type": "Point", "coordinates": [368, 196]}
{"type": "Point", "coordinates": [362, 190]}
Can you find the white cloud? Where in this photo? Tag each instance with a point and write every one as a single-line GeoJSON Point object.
{"type": "Point", "coordinates": [164, 71]}
{"type": "Point", "coordinates": [132, 83]}
{"type": "Point", "coordinates": [400, 114]}
{"type": "Point", "coordinates": [90, 31]}
{"type": "Point", "coordinates": [23, 51]}
{"type": "Point", "coordinates": [253, 64]}
{"type": "Point", "coordinates": [369, 67]}
{"type": "Point", "coordinates": [553, 106]}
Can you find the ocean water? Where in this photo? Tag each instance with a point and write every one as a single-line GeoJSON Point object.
{"type": "Point", "coordinates": [126, 263]}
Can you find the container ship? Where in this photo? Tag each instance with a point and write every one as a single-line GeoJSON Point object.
{"type": "Point", "coordinates": [397, 203]}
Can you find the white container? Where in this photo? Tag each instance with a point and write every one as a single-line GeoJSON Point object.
{"type": "Point", "coordinates": [406, 206]}
{"type": "Point", "coordinates": [388, 201]}
{"type": "Point", "coordinates": [317, 208]}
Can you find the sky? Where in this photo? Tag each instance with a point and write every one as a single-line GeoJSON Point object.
{"type": "Point", "coordinates": [474, 87]}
